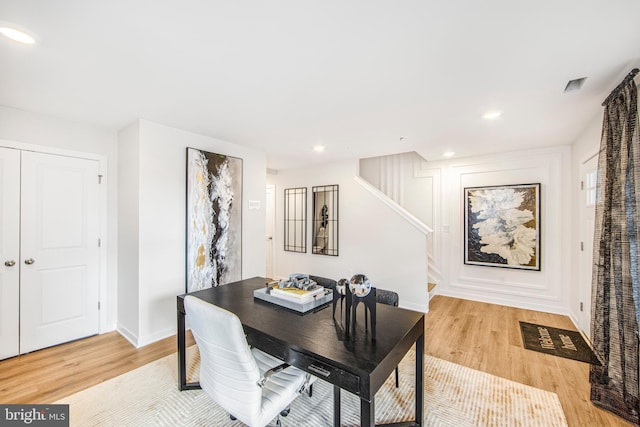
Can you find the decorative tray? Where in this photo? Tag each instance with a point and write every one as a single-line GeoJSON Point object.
{"type": "Point", "coordinates": [316, 302]}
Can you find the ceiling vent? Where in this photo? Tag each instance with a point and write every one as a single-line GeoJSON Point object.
{"type": "Point", "coordinates": [574, 85]}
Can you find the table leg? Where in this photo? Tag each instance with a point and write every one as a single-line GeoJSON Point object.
{"type": "Point", "coordinates": [182, 357]}
{"type": "Point", "coordinates": [367, 413]}
{"type": "Point", "coordinates": [419, 379]}
{"type": "Point", "coordinates": [336, 406]}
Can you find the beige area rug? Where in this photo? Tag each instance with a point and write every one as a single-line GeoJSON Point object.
{"type": "Point", "coordinates": [454, 396]}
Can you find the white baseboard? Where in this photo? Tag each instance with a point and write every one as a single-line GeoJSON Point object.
{"type": "Point", "coordinates": [422, 308]}
{"type": "Point", "coordinates": [543, 307]}
{"type": "Point", "coordinates": [156, 336]}
{"type": "Point", "coordinates": [128, 335]}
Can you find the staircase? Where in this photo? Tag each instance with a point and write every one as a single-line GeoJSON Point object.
{"type": "Point", "coordinates": [393, 179]}
{"type": "Point", "coordinates": [431, 289]}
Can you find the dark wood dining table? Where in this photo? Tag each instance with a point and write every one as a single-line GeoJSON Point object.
{"type": "Point", "coordinates": [316, 343]}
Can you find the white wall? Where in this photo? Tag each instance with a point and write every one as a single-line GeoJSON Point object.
{"type": "Point", "coordinates": [27, 130]}
{"type": "Point", "coordinates": [128, 230]}
{"type": "Point", "coordinates": [161, 170]}
{"type": "Point", "coordinates": [546, 290]}
{"type": "Point", "coordinates": [373, 239]}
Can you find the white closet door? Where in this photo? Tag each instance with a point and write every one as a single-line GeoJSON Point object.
{"type": "Point", "coordinates": [9, 252]}
{"type": "Point", "coordinates": [59, 284]}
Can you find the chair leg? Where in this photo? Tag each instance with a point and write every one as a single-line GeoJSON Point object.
{"type": "Point", "coordinates": [310, 390]}
{"type": "Point", "coordinates": [284, 413]}
{"type": "Point", "coordinates": [232, 417]}
{"type": "Point", "coordinates": [397, 382]}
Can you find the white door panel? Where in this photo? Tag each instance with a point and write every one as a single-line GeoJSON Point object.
{"type": "Point", "coordinates": [9, 252]}
{"type": "Point", "coordinates": [588, 173]}
{"type": "Point", "coordinates": [56, 284]}
{"type": "Point", "coordinates": [59, 250]}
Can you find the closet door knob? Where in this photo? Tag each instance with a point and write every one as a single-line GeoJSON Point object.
{"type": "Point", "coordinates": [10, 263]}
{"type": "Point", "coordinates": [29, 261]}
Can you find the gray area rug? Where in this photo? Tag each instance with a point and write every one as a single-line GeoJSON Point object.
{"type": "Point", "coordinates": [454, 396]}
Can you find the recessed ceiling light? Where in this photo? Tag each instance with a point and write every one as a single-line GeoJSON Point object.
{"type": "Point", "coordinates": [448, 154]}
{"type": "Point", "coordinates": [17, 35]}
{"type": "Point", "coordinates": [318, 148]}
{"type": "Point", "coordinates": [492, 115]}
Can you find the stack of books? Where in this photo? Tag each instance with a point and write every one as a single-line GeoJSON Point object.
{"type": "Point", "coordinates": [297, 295]}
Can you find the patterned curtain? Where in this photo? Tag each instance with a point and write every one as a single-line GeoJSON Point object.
{"type": "Point", "coordinates": [615, 307]}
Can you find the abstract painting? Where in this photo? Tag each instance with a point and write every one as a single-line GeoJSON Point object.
{"type": "Point", "coordinates": [214, 219]}
{"type": "Point", "coordinates": [502, 226]}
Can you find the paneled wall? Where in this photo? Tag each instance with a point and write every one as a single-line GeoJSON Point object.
{"type": "Point", "coordinates": [545, 290]}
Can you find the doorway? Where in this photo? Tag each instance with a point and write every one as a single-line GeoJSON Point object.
{"type": "Point", "coordinates": [50, 282]}
{"type": "Point", "coordinates": [588, 196]}
{"type": "Point", "coordinates": [270, 230]}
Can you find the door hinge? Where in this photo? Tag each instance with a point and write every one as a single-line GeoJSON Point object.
{"type": "Point", "coordinates": [582, 246]}
{"type": "Point", "coordinates": [99, 179]}
{"type": "Point", "coordinates": [581, 306]}
{"type": "Point", "coordinates": [98, 305]}
{"type": "Point", "coordinates": [99, 243]}
{"type": "Point", "coordinates": [581, 185]}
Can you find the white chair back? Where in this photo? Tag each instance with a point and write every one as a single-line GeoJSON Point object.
{"type": "Point", "coordinates": [228, 370]}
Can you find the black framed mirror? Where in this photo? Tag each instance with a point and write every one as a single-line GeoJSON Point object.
{"type": "Point", "coordinates": [325, 220]}
{"type": "Point", "coordinates": [295, 219]}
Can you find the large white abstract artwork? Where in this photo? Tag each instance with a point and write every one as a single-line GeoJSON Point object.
{"type": "Point", "coordinates": [214, 219]}
{"type": "Point", "coordinates": [502, 226]}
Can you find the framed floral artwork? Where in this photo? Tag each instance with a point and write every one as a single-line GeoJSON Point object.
{"type": "Point", "coordinates": [502, 226]}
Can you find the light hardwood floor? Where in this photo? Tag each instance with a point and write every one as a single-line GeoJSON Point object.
{"type": "Point", "coordinates": [481, 336]}
{"type": "Point", "coordinates": [48, 375]}
{"type": "Point", "coordinates": [487, 337]}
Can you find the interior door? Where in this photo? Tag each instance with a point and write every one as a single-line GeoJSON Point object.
{"type": "Point", "coordinates": [9, 252]}
{"type": "Point", "coordinates": [270, 226]}
{"type": "Point", "coordinates": [588, 196]}
{"type": "Point", "coordinates": [59, 283]}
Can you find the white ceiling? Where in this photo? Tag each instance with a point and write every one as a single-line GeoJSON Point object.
{"type": "Point", "coordinates": [352, 75]}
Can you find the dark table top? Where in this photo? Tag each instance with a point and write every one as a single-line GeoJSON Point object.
{"type": "Point", "coordinates": [318, 334]}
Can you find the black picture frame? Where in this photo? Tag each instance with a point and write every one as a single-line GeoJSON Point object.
{"type": "Point", "coordinates": [325, 220]}
{"type": "Point", "coordinates": [295, 219]}
{"type": "Point", "coordinates": [213, 219]}
{"type": "Point", "coordinates": [502, 226]}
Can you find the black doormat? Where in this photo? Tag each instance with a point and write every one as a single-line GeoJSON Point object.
{"type": "Point", "coordinates": [558, 342]}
